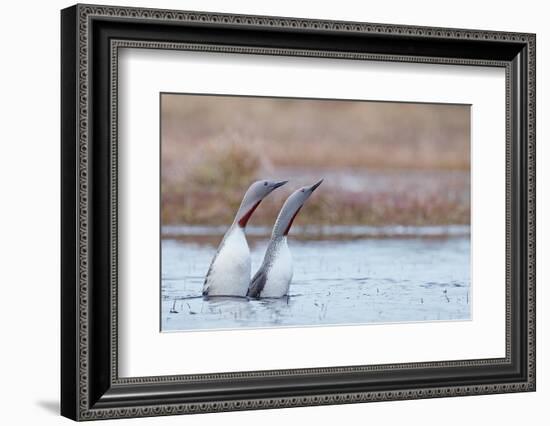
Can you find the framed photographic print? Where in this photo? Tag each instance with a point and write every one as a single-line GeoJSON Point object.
{"type": "Point", "coordinates": [263, 212]}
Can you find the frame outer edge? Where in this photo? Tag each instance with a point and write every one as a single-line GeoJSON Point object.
{"type": "Point", "coordinates": [83, 206]}
{"type": "Point", "coordinates": [531, 201]}
{"type": "Point", "coordinates": [81, 340]}
{"type": "Point", "coordinates": [69, 287]}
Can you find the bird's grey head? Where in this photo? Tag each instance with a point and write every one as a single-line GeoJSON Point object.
{"type": "Point", "coordinates": [291, 207]}
{"type": "Point", "coordinates": [253, 197]}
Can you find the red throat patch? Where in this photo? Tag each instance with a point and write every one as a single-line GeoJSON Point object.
{"type": "Point", "coordinates": [291, 221]}
{"type": "Point", "coordinates": [244, 220]}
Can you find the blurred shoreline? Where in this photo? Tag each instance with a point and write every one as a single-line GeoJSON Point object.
{"type": "Point", "coordinates": [212, 234]}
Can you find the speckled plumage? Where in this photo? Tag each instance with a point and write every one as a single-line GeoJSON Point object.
{"type": "Point", "coordinates": [275, 275]}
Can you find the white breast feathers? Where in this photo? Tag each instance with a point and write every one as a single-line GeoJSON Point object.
{"type": "Point", "coordinates": [230, 271]}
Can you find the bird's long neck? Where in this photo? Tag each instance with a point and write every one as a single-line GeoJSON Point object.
{"type": "Point", "coordinates": [247, 214]}
{"type": "Point", "coordinates": [284, 221]}
{"type": "Point", "coordinates": [245, 211]}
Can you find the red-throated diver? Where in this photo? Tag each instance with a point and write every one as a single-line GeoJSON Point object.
{"type": "Point", "coordinates": [229, 272]}
{"type": "Point", "coordinates": [274, 276]}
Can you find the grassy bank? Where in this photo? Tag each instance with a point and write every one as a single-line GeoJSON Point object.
{"type": "Point", "coordinates": [383, 163]}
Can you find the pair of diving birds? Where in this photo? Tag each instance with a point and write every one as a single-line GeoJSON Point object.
{"type": "Point", "coordinates": [229, 272]}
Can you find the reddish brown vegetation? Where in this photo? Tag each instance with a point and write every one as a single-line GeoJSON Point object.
{"type": "Point", "coordinates": [383, 163]}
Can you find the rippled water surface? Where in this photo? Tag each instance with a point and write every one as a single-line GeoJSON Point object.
{"type": "Point", "coordinates": [349, 279]}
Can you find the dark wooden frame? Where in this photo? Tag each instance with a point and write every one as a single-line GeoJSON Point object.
{"type": "Point", "coordinates": [90, 386]}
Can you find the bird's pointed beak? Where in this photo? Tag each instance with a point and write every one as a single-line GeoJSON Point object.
{"type": "Point", "coordinates": [315, 185]}
{"type": "Point", "coordinates": [279, 184]}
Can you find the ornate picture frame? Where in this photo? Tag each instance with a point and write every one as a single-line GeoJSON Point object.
{"type": "Point", "coordinates": [91, 37]}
